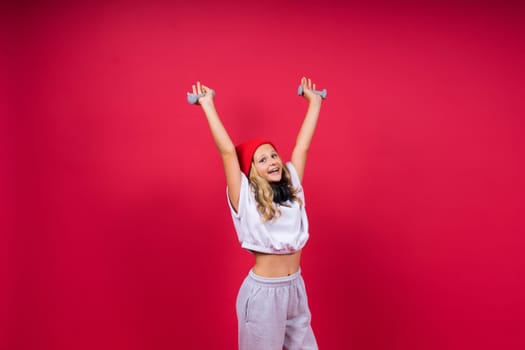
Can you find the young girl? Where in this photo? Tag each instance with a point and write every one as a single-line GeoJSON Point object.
{"type": "Point", "coordinates": [268, 210]}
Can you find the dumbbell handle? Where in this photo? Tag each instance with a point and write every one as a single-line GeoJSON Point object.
{"type": "Point", "coordinates": [194, 98]}
{"type": "Point", "coordinates": [321, 93]}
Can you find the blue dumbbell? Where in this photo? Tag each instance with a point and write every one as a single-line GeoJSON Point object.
{"type": "Point", "coordinates": [194, 98]}
{"type": "Point", "coordinates": [321, 93]}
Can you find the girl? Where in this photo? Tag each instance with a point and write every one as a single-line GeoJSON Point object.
{"type": "Point", "coordinates": [268, 210]}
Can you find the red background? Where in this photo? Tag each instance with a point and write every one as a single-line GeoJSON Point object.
{"type": "Point", "coordinates": [118, 230]}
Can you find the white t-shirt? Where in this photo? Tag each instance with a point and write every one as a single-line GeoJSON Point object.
{"type": "Point", "coordinates": [287, 234]}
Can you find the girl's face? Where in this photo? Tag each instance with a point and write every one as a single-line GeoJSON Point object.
{"type": "Point", "coordinates": [268, 163]}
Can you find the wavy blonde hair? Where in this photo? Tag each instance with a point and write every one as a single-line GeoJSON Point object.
{"type": "Point", "coordinates": [264, 194]}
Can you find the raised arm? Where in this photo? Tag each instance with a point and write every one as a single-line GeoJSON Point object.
{"type": "Point", "coordinates": [223, 143]}
{"type": "Point", "coordinates": [304, 138]}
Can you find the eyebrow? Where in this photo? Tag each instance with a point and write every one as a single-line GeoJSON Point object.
{"type": "Point", "coordinates": [266, 154]}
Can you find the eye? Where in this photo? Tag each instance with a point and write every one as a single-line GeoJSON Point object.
{"type": "Point", "coordinates": [262, 160]}
{"type": "Point", "coordinates": [274, 155]}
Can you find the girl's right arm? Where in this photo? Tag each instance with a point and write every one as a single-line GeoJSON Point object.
{"type": "Point", "coordinates": [223, 143]}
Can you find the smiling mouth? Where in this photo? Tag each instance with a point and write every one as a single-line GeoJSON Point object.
{"type": "Point", "coordinates": [274, 171]}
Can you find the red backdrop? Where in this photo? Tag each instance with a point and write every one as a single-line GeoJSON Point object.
{"type": "Point", "coordinates": [118, 231]}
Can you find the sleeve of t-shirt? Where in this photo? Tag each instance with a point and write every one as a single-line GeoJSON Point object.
{"type": "Point", "coordinates": [243, 198]}
{"type": "Point", "coordinates": [295, 181]}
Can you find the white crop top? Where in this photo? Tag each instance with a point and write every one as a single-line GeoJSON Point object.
{"type": "Point", "coordinates": [287, 234]}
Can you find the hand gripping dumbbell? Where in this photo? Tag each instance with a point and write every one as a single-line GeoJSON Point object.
{"type": "Point", "coordinates": [194, 98]}
{"type": "Point", "coordinates": [321, 93]}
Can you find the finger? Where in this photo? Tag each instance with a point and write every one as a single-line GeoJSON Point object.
{"type": "Point", "coordinates": [303, 81]}
{"type": "Point", "coordinates": [205, 89]}
{"type": "Point", "coordinates": [313, 86]}
{"type": "Point", "coordinates": [194, 89]}
{"type": "Point", "coordinates": [199, 89]}
{"type": "Point", "coordinates": [310, 83]}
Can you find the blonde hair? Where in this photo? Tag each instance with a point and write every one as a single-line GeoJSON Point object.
{"type": "Point", "coordinates": [264, 194]}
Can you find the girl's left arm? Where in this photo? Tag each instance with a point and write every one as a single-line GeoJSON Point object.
{"type": "Point", "coordinates": [304, 138]}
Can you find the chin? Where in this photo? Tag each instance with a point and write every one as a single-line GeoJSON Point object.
{"type": "Point", "coordinates": [275, 179]}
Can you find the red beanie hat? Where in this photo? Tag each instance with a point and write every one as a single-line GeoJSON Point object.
{"type": "Point", "coordinates": [245, 153]}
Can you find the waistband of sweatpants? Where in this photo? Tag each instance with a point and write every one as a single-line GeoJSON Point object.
{"type": "Point", "coordinates": [274, 281]}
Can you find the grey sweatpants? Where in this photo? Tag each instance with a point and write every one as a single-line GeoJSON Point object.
{"type": "Point", "coordinates": [273, 314]}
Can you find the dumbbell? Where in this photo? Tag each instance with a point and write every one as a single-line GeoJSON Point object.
{"type": "Point", "coordinates": [321, 93]}
{"type": "Point", "coordinates": [194, 98]}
